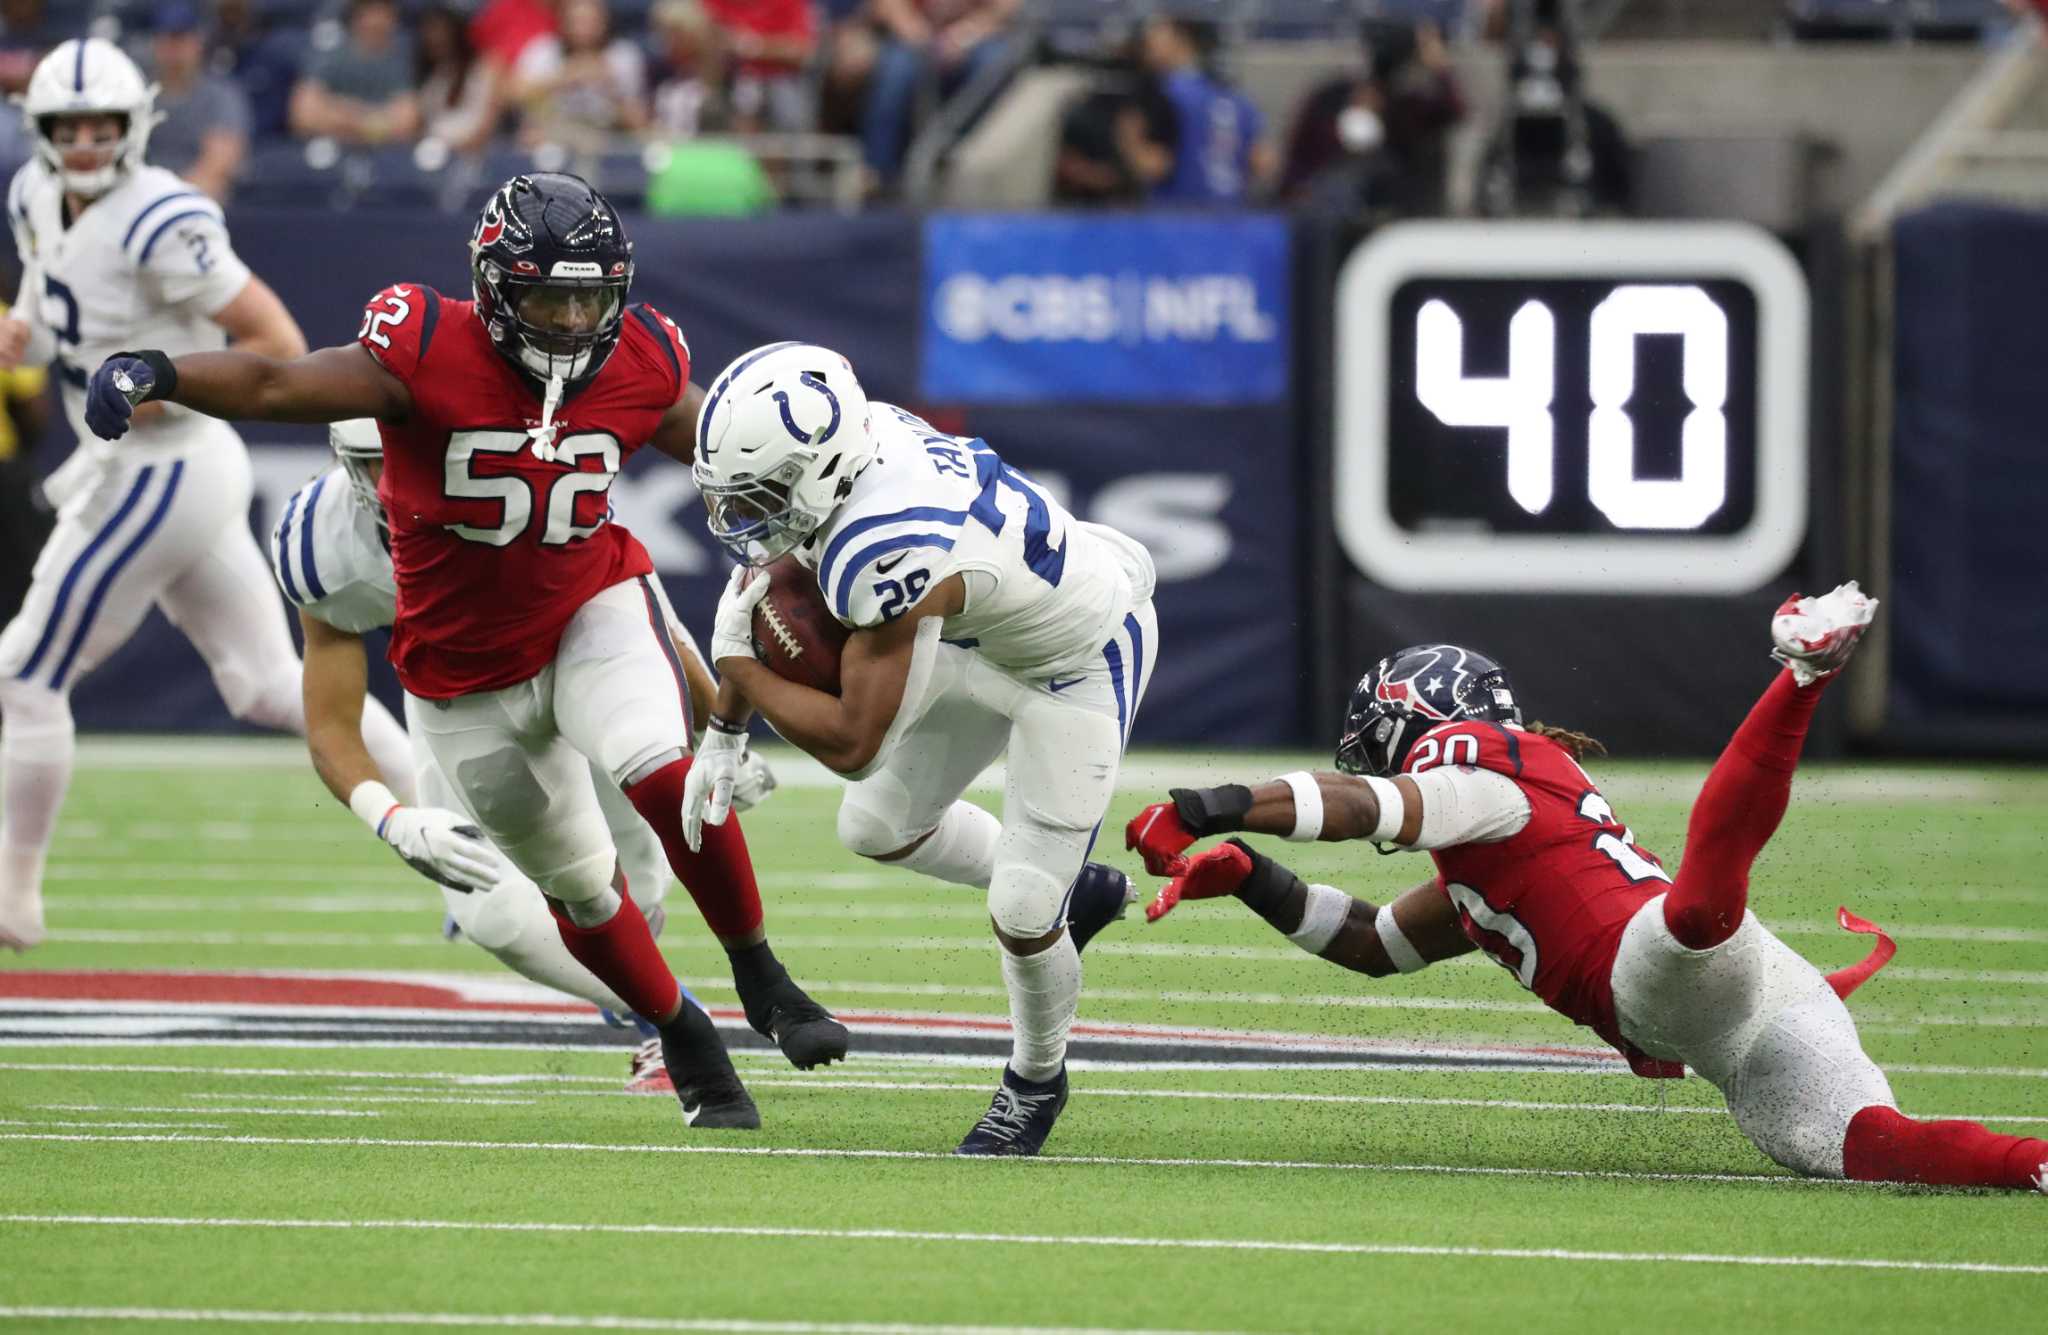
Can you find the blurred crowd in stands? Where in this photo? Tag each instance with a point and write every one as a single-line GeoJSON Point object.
{"type": "Point", "coordinates": [744, 88]}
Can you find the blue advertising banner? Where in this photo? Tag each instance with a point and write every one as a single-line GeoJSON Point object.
{"type": "Point", "coordinates": [1153, 308]}
{"type": "Point", "coordinates": [1212, 491]}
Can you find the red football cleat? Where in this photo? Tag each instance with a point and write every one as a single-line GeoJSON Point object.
{"type": "Point", "coordinates": [649, 1075]}
{"type": "Point", "coordinates": [1815, 636]}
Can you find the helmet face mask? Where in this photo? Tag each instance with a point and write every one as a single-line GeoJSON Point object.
{"type": "Point", "coordinates": [551, 268]}
{"type": "Point", "coordinates": [1412, 691]}
{"type": "Point", "coordinates": [359, 447]}
{"type": "Point", "coordinates": [784, 432]}
{"type": "Point", "coordinates": [77, 84]}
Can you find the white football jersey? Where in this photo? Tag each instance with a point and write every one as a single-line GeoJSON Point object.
{"type": "Point", "coordinates": [330, 560]}
{"type": "Point", "coordinates": [144, 266]}
{"type": "Point", "coordinates": [1045, 591]}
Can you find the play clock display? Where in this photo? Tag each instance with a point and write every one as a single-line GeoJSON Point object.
{"type": "Point", "coordinates": [1589, 407]}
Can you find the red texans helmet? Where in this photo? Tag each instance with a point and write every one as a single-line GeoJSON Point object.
{"type": "Point", "coordinates": [1413, 690]}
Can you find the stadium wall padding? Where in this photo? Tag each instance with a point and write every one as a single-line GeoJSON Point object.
{"type": "Point", "coordinates": [1969, 480]}
{"type": "Point", "coordinates": [1214, 489]}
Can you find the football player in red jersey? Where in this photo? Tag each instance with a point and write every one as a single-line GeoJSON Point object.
{"type": "Point", "coordinates": [528, 629]}
{"type": "Point", "coordinates": [1534, 868]}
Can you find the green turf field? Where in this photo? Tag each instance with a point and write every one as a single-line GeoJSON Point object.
{"type": "Point", "coordinates": [411, 1187]}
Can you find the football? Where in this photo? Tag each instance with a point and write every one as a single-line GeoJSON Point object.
{"type": "Point", "coordinates": [795, 633]}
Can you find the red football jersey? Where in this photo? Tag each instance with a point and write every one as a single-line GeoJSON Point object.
{"type": "Point", "coordinates": [494, 548]}
{"type": "Point", "coordinates": [1550, 903]}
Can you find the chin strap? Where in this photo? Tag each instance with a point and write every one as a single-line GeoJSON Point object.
{"type": "Point", "coordinates": [543, 436]}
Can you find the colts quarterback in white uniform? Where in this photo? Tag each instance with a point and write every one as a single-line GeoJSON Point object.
{"type": "Point", "coordinates": [114, 255]}
{"type": "Point", "coordinates": [986, 621]}
{"type": "Point", "coordinates": [331, 557]}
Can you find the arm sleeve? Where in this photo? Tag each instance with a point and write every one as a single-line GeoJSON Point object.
{"type": "Point", "coordinates": [1465, 805]}
{"type": "Point", "coordinates": [187, 251]}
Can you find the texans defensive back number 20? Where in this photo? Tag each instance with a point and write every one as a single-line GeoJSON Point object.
{"type": "Point", "coordinates": [1570, 407]}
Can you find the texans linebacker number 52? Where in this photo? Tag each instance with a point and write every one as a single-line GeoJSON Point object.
{"type": "Point", "coordinates": [1592, 407]}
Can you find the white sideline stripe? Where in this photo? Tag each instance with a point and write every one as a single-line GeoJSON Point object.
{"type": "Point", "coordinates": [542, 1321]}
{"type": "Point", "coordinates": [251, 1112]}
{"type": "Point", "coordinates": [824, 1083]}
{"type": "Point", "coordinates": [1053, 1240]}
{"type": "Point", "coordinates": [938, 1156]}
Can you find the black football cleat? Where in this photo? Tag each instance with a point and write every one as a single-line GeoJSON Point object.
{"type": "Point", "coordinates": [1019, 1118]}
{"type": "Point", "coordinates": [1101, 894]}
{"type": "Point", "coordinates": [784, 1013]}
{"type": "Point", "coordinates": [706, 1085]}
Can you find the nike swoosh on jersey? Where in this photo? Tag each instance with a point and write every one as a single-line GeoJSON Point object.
{"type": "Point", "coordinates": [1057, 686]}
{"type": "Point", "coordinates": [884, 567]}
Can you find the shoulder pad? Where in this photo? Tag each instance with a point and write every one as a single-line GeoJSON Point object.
{"type": "Point", "coordinates": [159, 211]}
{"type": "Point", "coordinates": [398, 325]}
{"type": "Point", "coordinates": [1471, 743]}
{"type": "Point", "coordinates": [669, 336]}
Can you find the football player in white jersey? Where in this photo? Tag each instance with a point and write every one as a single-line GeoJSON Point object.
{"type": "Point", "coordinates": [330, 557]}
{"type": "Point", "coordinates": [117, 255]}
{"type": "Point", "coordinates": [986, 621]}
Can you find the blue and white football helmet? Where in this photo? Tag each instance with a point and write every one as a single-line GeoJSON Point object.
{"type": "Point", "coordinates": [1413, 690]}
{"type": "Point", "coordinates": [783, 434]}
{"type": "Point", "coordinates": [84, 77]}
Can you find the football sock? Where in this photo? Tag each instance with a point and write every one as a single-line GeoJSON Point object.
{"type": "Point", "coordinates": [1884, 1145]}
{"type": "Point", "coordinates": [384, 738]}
{"type": "Point", "coordinates": [1045, 991]}
{"type": "Point", "coordinates": [961, 850]}
{"type": "Point", "coordinates": [38, 745]}
{"type": "Point", "coordinates": [622, 953]}
{"type": "Point", "coordinates": [1736, 813]}
{"type": "Point", "coordinates": [512, 924]}
{"type": "Point", "coordinates": [719, 876]}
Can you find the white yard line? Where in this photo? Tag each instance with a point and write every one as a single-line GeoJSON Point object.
{"type": "Point", "coordinates": [937, 1156]}
{"type": "Point", "coordinates": [825, 1083]}
{"type": "Point", "coordinates": [539, 1321]}
{"type": "Point", "coordinates": [131, 1126]}
{"type": "Point", "coordinates": [248, 1112]}
{"type": "Point", "coordinates": [1793, 1260]}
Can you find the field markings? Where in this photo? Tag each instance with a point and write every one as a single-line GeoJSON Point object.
{"type": "Point", "coordinates": [1775, 1260]}
{"type": "Point", "coordinates": [936, 1156]}
{"type": "Point", "coordinates": [542, 1321]}
{"type": "Point", "coordinates": [246, 1112]}
{"type": "Point", "coordinates": [826, 1083]}
{"type": "Point", "coordinates": [132, 1126]}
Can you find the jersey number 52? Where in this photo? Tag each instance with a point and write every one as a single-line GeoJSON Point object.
{"type": "Point", "coordinates": [516, 495]}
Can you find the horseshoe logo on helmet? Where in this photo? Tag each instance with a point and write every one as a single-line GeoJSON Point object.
{"type": "Point", "coordinates": [789, 422]}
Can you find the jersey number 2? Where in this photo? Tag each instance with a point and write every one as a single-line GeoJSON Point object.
{"type": "Point", "coordinates": [515, 494]}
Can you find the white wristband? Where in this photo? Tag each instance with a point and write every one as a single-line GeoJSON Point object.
{"type": "Point", "coordinates": [1308, 806]}
{"type": "Point", "coordinates": [1393, 809]}
{"type": "Point", "coordinates": [372, 802]}
{"type": "Point", "coordinates": [1399, 949]}
{"type": "Point", "coordinates": [1322, 919]}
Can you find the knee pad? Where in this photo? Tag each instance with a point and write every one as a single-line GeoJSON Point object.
{"type": "Point", "coordinates": [869, 832]}
{"type": "Point", "coordinates": [497, 918]}
{"type": "Point", "coordinates": [32, 712]}
{"type": "Point", "coordinates": [275, 701]}
{"type": "Point", "coordinates": [1026, 901]}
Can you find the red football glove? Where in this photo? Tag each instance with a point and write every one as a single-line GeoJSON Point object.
{"type": "Point", "coordinates": [1216, 873]}
{"type": "Point", "coordinates": [1158, 836]}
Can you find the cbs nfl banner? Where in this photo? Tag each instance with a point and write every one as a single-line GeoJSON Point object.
{"type": "Point", "coordinates": [1137, 309]}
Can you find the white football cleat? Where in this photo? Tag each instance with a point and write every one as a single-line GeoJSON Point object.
{"type": "Point", "coordinates": [2041, 1180]}
{"type": "Point", "coordinates": [1815, 636]}
{"type": "Point", "coordinates": [21, 913]}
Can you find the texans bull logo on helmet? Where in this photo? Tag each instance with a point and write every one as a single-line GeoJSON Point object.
{"type": "Point", "coordinates": [1413, 690]}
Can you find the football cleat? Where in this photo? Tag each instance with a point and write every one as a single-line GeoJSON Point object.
{"type": "Point", "coordinates": [1019, 1118]}
{"type": "Point", "coordinates": [1815, 636]}
{"type": "Point", "coordinates": [649, 1076]}
{"type": "Point", "coordinates": [2041, 1180]}
{"type": "Point", "coordinates": [1101, 896]}
{"type": "Point", "coordinates": [705, 1083]}
{"type": "Point", "coordinates": [784, 1013]}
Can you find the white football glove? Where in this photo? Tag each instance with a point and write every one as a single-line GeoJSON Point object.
{"type": "Point", "coordinates": [755, 782]}
{"type": "Point", "coordinates": [732, 629]}
{"type": "Point", "coordinates": [707, 792]}
{"type": "Point", "coordinates": [444, 846]}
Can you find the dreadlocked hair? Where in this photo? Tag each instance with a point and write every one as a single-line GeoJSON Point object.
{"type": "Point", "coordinates": [1577, 744]}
